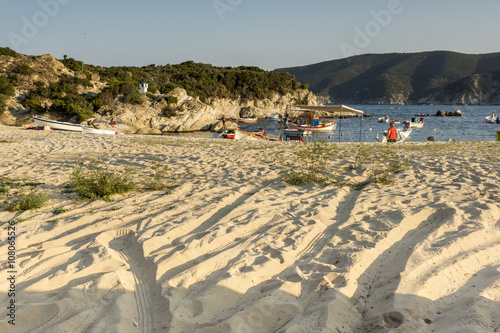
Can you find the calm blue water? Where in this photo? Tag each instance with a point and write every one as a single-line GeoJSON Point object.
{"type": "Point", "coordinates": [469, 127]}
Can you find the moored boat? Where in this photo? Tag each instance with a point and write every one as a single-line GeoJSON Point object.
{"type": "Point", "coordinates": [247, 120]}
{"type": "Point", "coordinates": [320, 127]}
{"type": "Point", "coordinates": [414, 123]}
{"type": "Point", "coordinates": [93, 130]}
{"type": "Point", "coordinates": [242, 135]}
{"type": "Point", "coordinates": [57, 125]}
{"type": "Point", "coordinates": [231, 135]}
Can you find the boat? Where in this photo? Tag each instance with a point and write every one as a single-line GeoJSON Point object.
{"type": "Point", "coordinates": [414, 123]}
{"type": "Point", "coordinates": [384, 119]}
{"type": "Point", "coordinates": [320, 127]}
{"type": "Point", "coordinates": [93, 130]}
{"type": "Point", "coordinates": [242, 135]}
{"type": "Point", "coordinates": [295, 134]}
{"type": "Point", "coordinates": [247, 120]}
{"type": "Point", "coordinates": [493, 119]}
{"type": "Point", "coordinates": [396, 122]}
{"type": "Point", "coordinates": [57, 125]}
{"type": "Point", "coordinates": [403, 134]}
{"type": "Point", "coordinates": [274, 117]}
{"type": "Point", "coordinates": [231, 135]}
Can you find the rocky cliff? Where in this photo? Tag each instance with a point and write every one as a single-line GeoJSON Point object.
{"type": "Point", "coordinates": [188, 113]}
{"type": "Point", "coordinates": [477, 89]}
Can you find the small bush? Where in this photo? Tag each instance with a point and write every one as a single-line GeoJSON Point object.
{"type": "Point", "coordinates": [27, 201]}
{"type": "Point", "coordinates": [94, 180]}
{"type": "Point", "coordinates": [309, 165]}
{"type": "Point", "coordinates": [60, 210]}
{"type": "Point", "coordinates": [168, 111]}
{"type": "Point", "coordinates": [156, 180]}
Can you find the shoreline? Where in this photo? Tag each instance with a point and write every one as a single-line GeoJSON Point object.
{"type": "Point", "coordinates": [234, 248]}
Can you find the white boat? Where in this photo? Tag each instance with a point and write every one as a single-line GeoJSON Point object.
{"type": "Point", "coordinates": [493, 119]}
{"type": "Point", "coordinates": [93, 130]}
{"type": "Point", "coordinates": [414, 123]}
{"type": "Point", "coordinates": [247, 120]}
{"type": "Point", "coordinates": [274, 117]}
{"type": "Point", "coordinates": [384, 119]}
{"type": "Point", "coordinates": [403, 134]}
{"type": "Point", "coordinates": [57, 125]}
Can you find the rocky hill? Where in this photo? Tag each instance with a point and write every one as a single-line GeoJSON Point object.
{"type": "Point", "coordinates": [401, 78]}
{"type": "Point", "coordinates": [185, 97]}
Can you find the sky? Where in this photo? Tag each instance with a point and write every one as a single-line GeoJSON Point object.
{"type": "Point", "coordinates": [268, 34]}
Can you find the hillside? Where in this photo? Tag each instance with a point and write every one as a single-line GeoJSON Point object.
{"type": "Point", "coordinates": [184, 97]}
{"type": "Point", "coordinates": [392, 78]}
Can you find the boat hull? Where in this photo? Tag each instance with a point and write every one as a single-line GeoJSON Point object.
{"type": "Point", "coordinates": [57, 125]}
{"type": "Point", "coordinates": [93, 130]}
{"type": "Point", "coordinates": [247, 120]}
{"type": "Point", "coordinates": [328, 127]}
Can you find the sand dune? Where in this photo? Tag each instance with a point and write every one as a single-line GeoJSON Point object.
{"type": "Point", "coordinates": [234, 249]}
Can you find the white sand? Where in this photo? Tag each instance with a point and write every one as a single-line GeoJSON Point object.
{"type": "Point", "coordinates": [234, 249]}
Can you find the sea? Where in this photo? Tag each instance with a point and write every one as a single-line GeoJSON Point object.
{"type": "Point", "coordinates": [470, 127]}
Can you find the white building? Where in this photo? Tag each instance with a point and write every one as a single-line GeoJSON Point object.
{"type": "Point", "coordinates": [143, 87]}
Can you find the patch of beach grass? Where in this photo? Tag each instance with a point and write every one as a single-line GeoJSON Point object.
{"type": "Point", "coordinates": [27, 200]}
{"type": "Point", "coordinates": [94, 179]}
{"type": "Point", "coordinates": [156, 178]}
{"type": "Point", "coordinates": [309, 164]}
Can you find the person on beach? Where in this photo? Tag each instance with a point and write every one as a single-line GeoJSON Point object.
{"type": "Point", "coordinates": [392, 134]}
{"type": "Point", "coordinates": [151, 123]}
{"type": "Point", "coordinates": [223, 121]}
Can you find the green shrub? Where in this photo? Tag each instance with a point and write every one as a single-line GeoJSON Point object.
{"type": "Point", "coordinates": [3, 103]}
{"type": "Point", "coordinates": [27, 201]}
{"type": "Point", "coordinates": [93, 179]}
{"type": "Point", "coordinates": [33, 105]}
{"type": "Point", "coordinates": [156, 180]}
{"type": "Point", "coordinates": [6, 87]}
{"type": "Point", "coordinates": [309, 164]}
{"type": "Point", "coordinates": [60, 210]}
{"type": "Point", "coordinates": [171, 99]}
{"type": "Point", "coordinates": [23, 69]}
{"type": "Point", "coordinates": [168, 111]}
{"type": "Point", "coordinates": [8, 52]}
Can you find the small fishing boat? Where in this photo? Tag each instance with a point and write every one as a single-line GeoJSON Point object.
{"type": "Point", "coordinates": [274, 117]}
{"type": "Point", "coordinates": [57, 125]}
{"type": "Point", "coordinates": [384, 119]}
{"type": "Point", "coordinates": [231, 135]}
{"type": "Point", "coordinates": [295, 134]}
{"type": "Point", "coordinates": [247, 120]}
{"type": "Point", "coordinates": [93, 130]}
{"type": "Point", "coordinates": [242, 135]}
{"type": "Point", "coordinates": [320, 127]}
{"type": "Point", "coordinates": [414, 123]}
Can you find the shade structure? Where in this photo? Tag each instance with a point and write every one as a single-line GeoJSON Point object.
{"type": "Point", "coordinates": [325, 108]}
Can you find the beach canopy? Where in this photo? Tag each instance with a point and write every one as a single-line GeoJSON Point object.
{"type": "Point", "coordinates": [325, 108]}
{"type": "Point", "coordinates": [114, 122]}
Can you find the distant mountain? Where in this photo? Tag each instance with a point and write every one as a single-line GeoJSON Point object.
{"type": "Point", "coordinates": [394, 78]}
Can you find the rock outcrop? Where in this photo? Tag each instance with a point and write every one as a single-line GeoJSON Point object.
{"type": "Point", "coordinates": [189, 113]}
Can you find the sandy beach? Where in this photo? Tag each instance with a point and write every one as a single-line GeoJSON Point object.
{"type": "Point", "coordinates": [233, 248]}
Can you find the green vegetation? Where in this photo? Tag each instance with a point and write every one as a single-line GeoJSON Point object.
{"type": "Point", "coordinates": [95, 180]}
{"type": "Point", "coordinates": [375, 77]}
{"type": "Point", "coordinates": [325, 163]}
{"type": "Point", "coordinates": [199, 80]}
{"type": "Point", "coordinates": [8, 52]}
{"type": "Point", "coordinates": [60, 210]}
{"type": "Point", "coordinates": [309, 164]}
{"type": "Point", "coordinates": [156, 180]}
{"type": "Point", "coordinates": [27, 200]}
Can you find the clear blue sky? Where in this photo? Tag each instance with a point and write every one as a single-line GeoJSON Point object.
{"type": "Point", "coordinates": [264, 33]}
